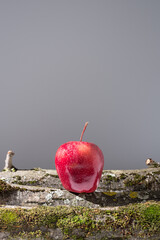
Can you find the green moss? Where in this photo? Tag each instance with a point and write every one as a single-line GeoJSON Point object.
{"type": "Point", "coordinates": [136, 179]}
{"type": "Point", "coordinates": [18, 178]}
{"type": "Point", "coordinates": [33, 182]}
{"type": "Point", "coordinates": [157, 172]}
{"type": "Point", "coordinates": [38, 169]}
{"type": "Point", "coordinates": [6, 188]}
{"type": "Point", "coordinates": [13, 169]}
{"type": "Point", "coordinates": [152, 214]}
{"type": "Point", "coordinates": [51, 175]}
{"type": "Point", "coordinates": [29, 183]}
{"type": "Point", "coordinates": [109, 179]}
{"type": "Point", "coordinates": [30, 235]}
{"type": "Point", "coordinates": [134, 220]}
{"type": "Point", "coordinates": [123, 176]}
{"type": "Point", "coordinates": [9, 220]}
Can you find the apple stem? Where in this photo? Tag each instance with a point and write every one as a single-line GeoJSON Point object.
{"type": "Point", "coordinates": [83, 131]}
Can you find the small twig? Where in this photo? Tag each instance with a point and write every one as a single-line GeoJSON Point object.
{"type": "Point", "coordinates": [8, 162]}
{"type": "Point", "coordinates": [152, 163]}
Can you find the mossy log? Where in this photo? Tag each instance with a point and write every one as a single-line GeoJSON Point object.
{"type": "Point", "coordinates": [116, 188]}
{"type": "Point", "coordinates": [35, 205]}
{"type": "Point", "coordinates": [136, 221]}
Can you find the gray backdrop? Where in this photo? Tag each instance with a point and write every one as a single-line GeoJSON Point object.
{"type": "Point", "coordinates": [64, 62]}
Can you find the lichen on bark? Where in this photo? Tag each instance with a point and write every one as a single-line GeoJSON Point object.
{"type": "Point", "coordinates": [105, 214]}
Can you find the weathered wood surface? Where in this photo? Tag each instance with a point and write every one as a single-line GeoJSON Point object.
{"type": "Point", "coordinates": [116, 188]}
{"type": "Point", "coordinates": [40, 187]}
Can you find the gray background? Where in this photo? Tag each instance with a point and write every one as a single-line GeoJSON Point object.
{"type": "Point", "coordinates": [65, 62]}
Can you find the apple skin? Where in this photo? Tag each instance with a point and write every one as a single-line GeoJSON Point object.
{"type": "Point", "coordinates": [79, 166]}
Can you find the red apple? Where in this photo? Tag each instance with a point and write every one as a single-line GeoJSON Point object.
{"type": "Point", "coordinates": [79, 165]}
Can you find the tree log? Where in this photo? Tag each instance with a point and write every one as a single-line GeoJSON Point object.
{"type": "Point", "coordinates": [124, 206]}
{"type": "Point", "coordinates": [116, 188]}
